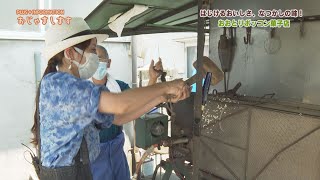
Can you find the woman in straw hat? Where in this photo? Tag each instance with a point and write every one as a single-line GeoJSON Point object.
{"type": "Point", "coordinates": [69, 106]}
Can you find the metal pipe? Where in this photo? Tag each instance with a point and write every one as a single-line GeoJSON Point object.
{"type": "Point", "coordinates": [134, 53]}
{"type": "Point", "coordinates": [184, 28]}
{"type": "Point", "coordinates": [144, 156]}
{"type": "Point", "coordinates": [225, 82]}
{"type": "Point", "coordinates": [168, 143]}
{"type": "Point", "coordinates": [37, 67]}
{"type": "Point", "coordinates": [180, 141]}
{"type": "Point", "coordinates": [198, 97]}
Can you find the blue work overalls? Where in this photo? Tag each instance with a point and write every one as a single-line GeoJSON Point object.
{"type": "Point", "coordinates": [111, 164]}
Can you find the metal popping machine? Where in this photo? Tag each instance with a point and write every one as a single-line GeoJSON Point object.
{"type": "Point", "coordinates": [241, 137]}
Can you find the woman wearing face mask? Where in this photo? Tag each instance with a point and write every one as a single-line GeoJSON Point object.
{"type": "Point", "coordinates": [69, 106]}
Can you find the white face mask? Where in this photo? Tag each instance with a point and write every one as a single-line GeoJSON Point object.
{"type": "Point", "coordinates": [87, 69]}
{"type": "Point", "coordinates": [101, 71]}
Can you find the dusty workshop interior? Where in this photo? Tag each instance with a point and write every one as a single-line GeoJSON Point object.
{"type": "Point", "coordinates": [262, 121]}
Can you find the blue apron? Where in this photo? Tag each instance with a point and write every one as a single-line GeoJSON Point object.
{"type": "Point", "coordinates": [111, 164]}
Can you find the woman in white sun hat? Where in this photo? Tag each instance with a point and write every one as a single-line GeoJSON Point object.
{"type": "Point", "coordinates": [68, 106]}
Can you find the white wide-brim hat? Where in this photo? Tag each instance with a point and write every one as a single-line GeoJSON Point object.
{"type": "Point", "coordinates": [61, 37]}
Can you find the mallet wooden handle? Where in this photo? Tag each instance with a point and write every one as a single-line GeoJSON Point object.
{"type": "Point", "coordinates": [191, 80]}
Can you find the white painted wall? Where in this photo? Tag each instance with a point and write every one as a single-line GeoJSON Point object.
{"type": "Point", "coordinates": [17, 95]}
{"type": "Point", "coordinates": [73, 8]}
{"type": "Point", "coordinates": [9, 18]}
{"type": "Point", "coordinates": [171, 52]}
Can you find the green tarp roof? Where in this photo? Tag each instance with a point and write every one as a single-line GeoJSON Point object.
{"type": "Point", "coordinates": [161, 16]}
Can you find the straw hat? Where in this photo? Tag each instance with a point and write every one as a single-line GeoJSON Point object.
{"type": "Point", "coordinates": [60, 37]}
